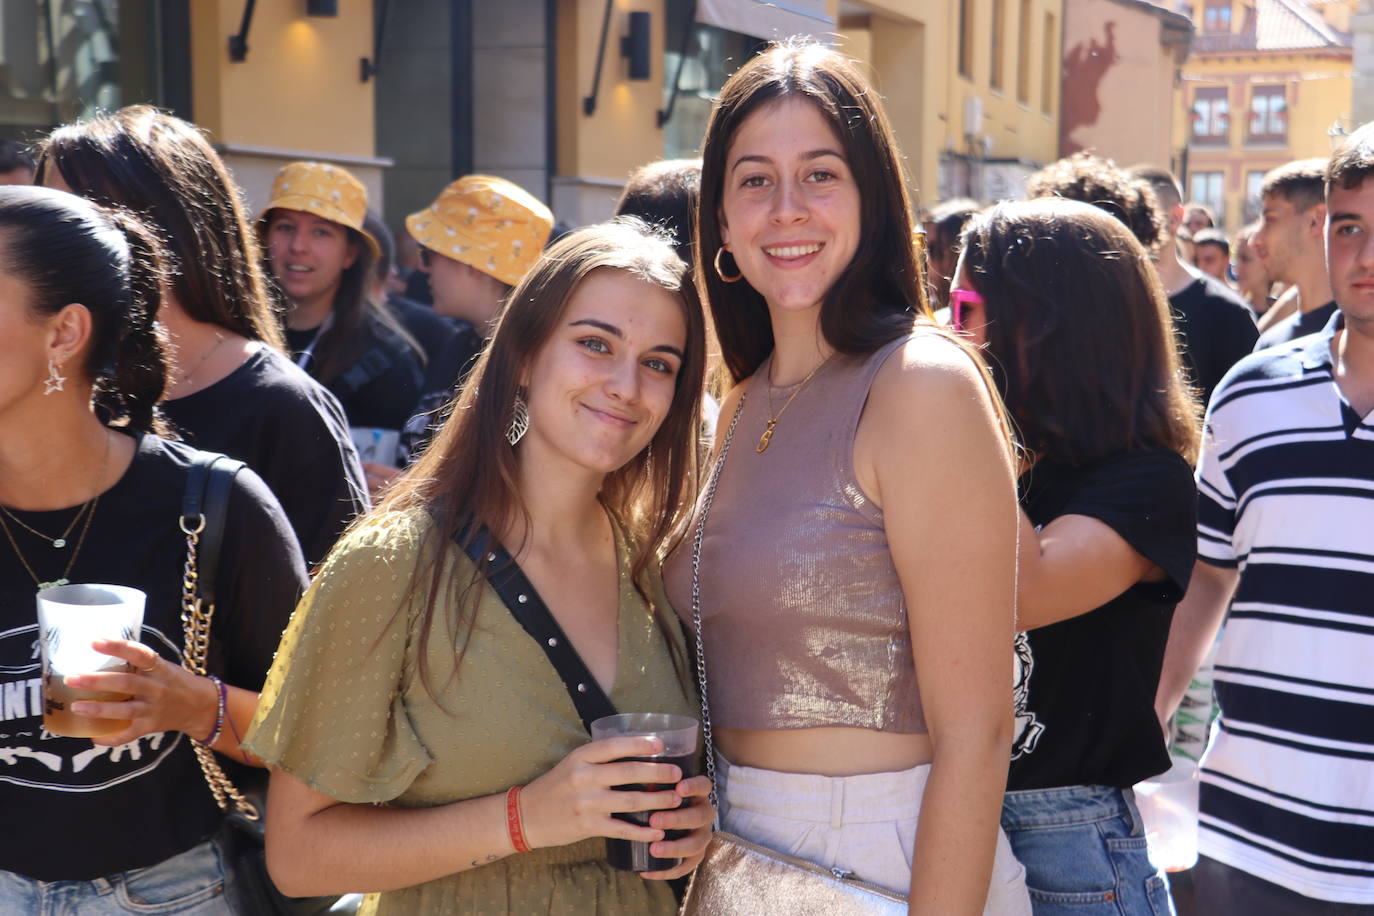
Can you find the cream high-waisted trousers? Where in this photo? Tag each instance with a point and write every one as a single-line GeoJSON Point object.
{"type": "Point", "coordinates": [863, 824]}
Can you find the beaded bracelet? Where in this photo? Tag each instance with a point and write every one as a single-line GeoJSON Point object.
{"type": "Point", "coordinates": [220, 713]}
{"type": "Point", "coordinates": [514, 827]}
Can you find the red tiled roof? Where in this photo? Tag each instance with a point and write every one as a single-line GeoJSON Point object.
{"type": "Point", "coordinates": [1280, 25]}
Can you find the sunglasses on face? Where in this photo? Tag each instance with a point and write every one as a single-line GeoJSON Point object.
{"type": "Point", "coordinates": [958, 298]}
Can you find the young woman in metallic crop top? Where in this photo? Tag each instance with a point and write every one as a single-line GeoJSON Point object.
{"type": "Point", "coordinates": [857, 564]}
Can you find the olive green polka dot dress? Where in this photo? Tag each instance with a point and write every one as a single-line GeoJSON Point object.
{"type": "Point", "coordinates": [345, 711]}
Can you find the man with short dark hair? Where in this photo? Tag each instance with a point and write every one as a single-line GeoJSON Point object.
{"type": "Point", "coordinates": [1286, 539]}
{"type": "Point", "coordinates": [1218, 328]}
{"type": "Point", "coordinates": [1289, 243]}
{"type": "Point", "coordinates": [1212, 253]}
{"type": "Point", "coordinates": [16, 164]}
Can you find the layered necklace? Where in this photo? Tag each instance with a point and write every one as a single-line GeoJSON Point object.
{"type": "Point", "coordinates": [86, 510]}
{"type": "Point", "coordinates": [773, 418]}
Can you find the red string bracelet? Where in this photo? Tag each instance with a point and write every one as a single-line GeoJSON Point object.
{"type": "Point", "coordinates": [513, 824]}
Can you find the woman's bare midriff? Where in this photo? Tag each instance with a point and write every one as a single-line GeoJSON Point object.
{"type": "Point", "coordinates": [832, 751]}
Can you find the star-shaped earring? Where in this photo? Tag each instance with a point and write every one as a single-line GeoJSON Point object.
{"type": "Point", "coordinates": [54, 380]}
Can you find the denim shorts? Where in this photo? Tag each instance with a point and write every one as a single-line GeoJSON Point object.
{"type": "Point", "coordinates": [192, 883]}
{"type": "Point", "coordinates": [1085, 853]}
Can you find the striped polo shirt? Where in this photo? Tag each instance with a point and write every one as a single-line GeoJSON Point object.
{"type": "Point", "coordinates": [1286, 496]}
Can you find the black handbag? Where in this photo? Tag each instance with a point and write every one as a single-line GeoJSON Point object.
{"type": "Point", "coordinates": [203, 511]}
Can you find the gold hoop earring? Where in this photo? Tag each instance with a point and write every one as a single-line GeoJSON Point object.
{"type": "Point", "coordinates": [720, 273]}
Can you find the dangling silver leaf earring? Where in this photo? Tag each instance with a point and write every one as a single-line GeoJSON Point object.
{"type": "Point", "coordinates": [54, 380]}
{"type": "Point", "coordinates": [649, 459]}
{"type": "Point", "coordinates": [519, 420]}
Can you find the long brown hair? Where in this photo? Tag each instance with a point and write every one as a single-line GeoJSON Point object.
{"type": "Point", "coordinates": [470, 472]}
{"type": "Point", "coordinates": [1080, 338]}
{"type": "Point", "coordinates": [878, 296]}
{"type": "Point", "coordinates": [163, 169]}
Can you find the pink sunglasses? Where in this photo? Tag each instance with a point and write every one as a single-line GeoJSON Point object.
{"type": "Point", "coordinates": [957, 298]}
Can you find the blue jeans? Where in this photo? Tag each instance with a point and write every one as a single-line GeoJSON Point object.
{"type": "Point", "coordinates": [1084, 852]}
{"type": "Point", "coordinates": [192, 883]}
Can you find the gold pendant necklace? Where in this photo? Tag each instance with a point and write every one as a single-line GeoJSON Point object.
{"type": "Point", "coordinates": [81, 539]}
{"type": "Point", "coordinates": [773, 418]}
{"type": "Point", "coordinates": [57, 542]}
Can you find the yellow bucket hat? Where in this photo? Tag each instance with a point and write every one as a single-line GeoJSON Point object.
{"type": "Point", "coordinates": [487, 223]}
{"type": "Point", "coordinates": [327, 191]}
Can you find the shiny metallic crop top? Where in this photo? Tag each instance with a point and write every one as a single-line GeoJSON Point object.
{"type": "Point", "coordinates": [803, 616]}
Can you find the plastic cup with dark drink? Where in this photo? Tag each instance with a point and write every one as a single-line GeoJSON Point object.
{"type": "Point", "coordinates": [70, 618]}
{"type": "Point", "coordinates": [679, 736]}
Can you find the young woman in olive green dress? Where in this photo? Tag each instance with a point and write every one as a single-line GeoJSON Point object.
{"type": "Point", "coordinates": [406, 700]}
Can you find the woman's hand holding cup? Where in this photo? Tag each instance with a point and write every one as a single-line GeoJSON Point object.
{"type": "Point", "coordinates": [696, 815]}
{"type": "Point", "coordinates": [576, 800]}
{"type": "Point", "coordinates": [162, 696]}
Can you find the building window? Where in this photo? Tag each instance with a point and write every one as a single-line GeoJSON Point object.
{"type": "Point", "coordinates": [64, 61]}
{"type": "Point", "coordinates": [1211, 116]}
{"type": "Point", "coordinates": [1253, 208]}
{"type": "Point", "coordinates": [1023, 54]}
{"type": "Point", "coordinates": [1216, 16]}
{"type": "Point", "coordinates": [713, 54]}
{"type": "Point", "coordinates": [999, 22]}
{"type": "Point", "coordinates": [966, 38]}
{"type": "Point", "coordinates": [1268, 115]}
{"type": "Point", "coordinates": [1050, 48]}
{"type": "Point", "coordinates": [1205, 188]}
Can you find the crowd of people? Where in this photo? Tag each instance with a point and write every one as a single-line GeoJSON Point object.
{"type": "Point", "coordinates": [767, 430]}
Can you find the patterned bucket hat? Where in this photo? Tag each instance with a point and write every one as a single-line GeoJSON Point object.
{"type": "Point", "coordinates": [487, 223]}
{"type": "Point", "coordinates": [327, 191]}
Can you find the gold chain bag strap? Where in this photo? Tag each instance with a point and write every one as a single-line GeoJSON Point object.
{"type": "Point", "coordinates": [207, 498]}
{"type": "Point", "coordinates": [740, 878]}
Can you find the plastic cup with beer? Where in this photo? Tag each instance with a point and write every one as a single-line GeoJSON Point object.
{"type": "Point", "coordinates": [679, 735]}
{"type": "Point", "coordinates": [1168, 805]}
{"type": "Point", "coordinates": [70, 618]}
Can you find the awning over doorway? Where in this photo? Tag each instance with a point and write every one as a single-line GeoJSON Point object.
{"type": "Point", "coordinates": [767, 18]}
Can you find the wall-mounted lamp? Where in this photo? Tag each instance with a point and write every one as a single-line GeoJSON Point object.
{"type": "Point", "coordinates": [321, 7]}
{"type": "Point", "coordinates": [635, 46]}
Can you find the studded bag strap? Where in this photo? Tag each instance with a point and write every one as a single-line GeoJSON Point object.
{"type": "Point", "coordinates": [530, 611]}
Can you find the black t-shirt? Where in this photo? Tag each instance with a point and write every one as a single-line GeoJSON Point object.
{"type": "Point", "coordinates": [443, 380]}
{"type": "Point", "coordinates": [381, 389]}
{"type": "Point", "coordinates": [1085, 687]}
{"type": "Point", "coordinates": [292, 432]}
{"type": "Point", "coordinates": [1298, 324]}
{"type": "Point", "coordinates": [431, 330]}
{"type": "Point", "coordinates": [1217, 328]}
{"type": "Point", "coordinates": [75, 811]}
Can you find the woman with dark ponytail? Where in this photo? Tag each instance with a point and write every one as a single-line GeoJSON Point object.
{"type": "Point", "coordinates": [90, 492]}
{"type": "Point", "coordinates": [231, 388]}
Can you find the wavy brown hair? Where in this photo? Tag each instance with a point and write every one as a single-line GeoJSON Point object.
{"type": "Point", "coordinates": [470, 472]}
{"type": "Point", "coordinates": [1080, 338]}
{"type": "Point", "coordinates": [163, 169]}
{"type": "Point", "coordinates": [879, 295]}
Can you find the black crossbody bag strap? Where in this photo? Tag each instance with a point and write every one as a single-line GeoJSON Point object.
{"type": "Point", "coordinates": [207, 497]}
{"type": "Point", "coordinates": [532, 613]}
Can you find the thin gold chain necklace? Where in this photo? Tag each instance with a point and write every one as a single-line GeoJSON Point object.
{"type": "Point", "coordinates": [773, 418]}
{"type": "Point", "coordinates": [186, 376]}
{"type": "Point", "coordinates": [60, 540]}
{"type": "Point", "coordinates": [71, 561]}
{"type": "Point", "coordinates": [81, 539]}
